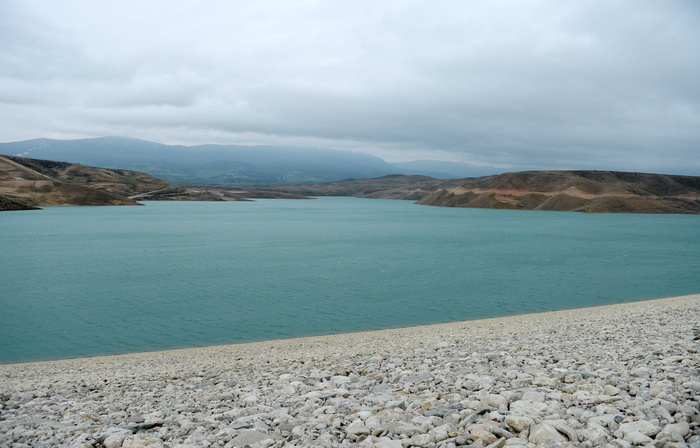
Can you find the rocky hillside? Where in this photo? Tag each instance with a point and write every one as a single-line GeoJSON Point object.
{"type": "Point", "coordinates": [28, 183]}
{"type": "Point", "coordinates": [580, 191]}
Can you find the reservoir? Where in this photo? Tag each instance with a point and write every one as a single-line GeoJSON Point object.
{"type": "Point", "coordinates": [87, 281]}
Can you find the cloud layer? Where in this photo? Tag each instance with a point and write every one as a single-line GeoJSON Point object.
{"type": "Point", "coordinates": [527, 85]}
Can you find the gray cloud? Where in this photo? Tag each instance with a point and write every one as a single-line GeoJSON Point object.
{"type": "Point", "coordinates": [527, 85]}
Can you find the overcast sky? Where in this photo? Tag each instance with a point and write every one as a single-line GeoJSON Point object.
{"type": "Point", "coordinates": [514, 84]}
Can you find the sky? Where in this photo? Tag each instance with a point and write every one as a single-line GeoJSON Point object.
{"type": "Point", "coordinates": [511, 84]}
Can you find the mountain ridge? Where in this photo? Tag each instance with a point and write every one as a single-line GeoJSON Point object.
{"type": "Point", "coordinates": [212, 164]}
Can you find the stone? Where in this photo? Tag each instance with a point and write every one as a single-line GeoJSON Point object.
{"type": "Point", "coordinates": [675, 432]}
{"type": "Point", "coordinates": [620, 443]}
{"type": "Point", "coordinates": [357, 430]}
{"type": "Point", "coordinates": [461, 440]}
{"type": "Point", "coordinates": [677, 445]}
{"type": "Point", "coordinates": [421, 440]}
{"type": "Point", "coordinates": [519, 423]}
{"type": "Point", "coordinates": [565, 429]}
{"type": "Point", "coordinates": [637, 438]}
{"type": "Point", "coordinates": [594, 433]}
{"type": "Point", "coordinates": [500, 443]}
{"type": "Point", "coordinates": [611, 390]}
{"type": "Point", "coordinates": [385, 442]}
{"type": "Point", "coordinates": [114, 441]}
{"type": "Point", "coordinates": [481, 433]}
{"type": "Point", "coordinates": [250, 437]}
{"type": "Point", "coordinates": [497, 401]}
{"type": "Point", "coordinates": [545, 434]}
{"type": "Point", "coordinates": [527, 407]}
{"type": "Point", "coordinates": [407, 429]}
{"type": "Point", "coordinates": [643, 426]}
{"type": "Point", "coordinates": [533, 397]}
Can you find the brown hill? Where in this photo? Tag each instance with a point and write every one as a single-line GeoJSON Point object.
{"type": "Point", "coordinates": [582, 191]}
{"type": "Point", "coordinates": [27, 183]}
{"type": "Point", "coordinates": [385, 187]}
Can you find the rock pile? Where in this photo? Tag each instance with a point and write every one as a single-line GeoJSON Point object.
{"type": "Point", "coordinates": [619, 376]}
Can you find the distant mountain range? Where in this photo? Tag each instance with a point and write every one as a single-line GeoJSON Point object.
{"type": "Point", "coordinates": [26, 183]}
{"type": "Point", "coordinates": [232, 164]}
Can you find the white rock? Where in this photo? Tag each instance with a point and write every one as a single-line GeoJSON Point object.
{"type": "Point", "coordinates": [545, 434]}
{"type": "Point", "coordinates": [675, 432]}
{"type": "Point", "coordinates": [421, 440]}
{"type": "Point", "coordinates": [611, 390]}
{"type": "Point", "coordinates": [386, 442]}
{"type": "Point", "coordinates": [526, 407]}
{"type": "Point", "coordinates": [357, 430]}
{"type": "Point", "coordinates": [497, 401]}
{"type": "Point", "coordinates": [643, 426]}
{"type": "Point", "coordinates": [115, 441]}
{"type": "Point", "coordinates": [519, 423]}
{"type": "Point", "coordinates": [637, 438]}
{"type": "Point", "coordinates": [533, 397]}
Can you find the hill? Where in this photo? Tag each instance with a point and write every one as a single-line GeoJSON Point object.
{"type": "Point", "coordinates": [394, 186]}
{"type": "Point", "coordinates": [580, 191]}
{"type": "Point", "coordinates": [228, 164]}
{"type": "Point", "coordinates": [28, 183]}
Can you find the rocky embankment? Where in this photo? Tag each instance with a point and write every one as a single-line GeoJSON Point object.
{"type": "Point", "coordinates": [618, 376]}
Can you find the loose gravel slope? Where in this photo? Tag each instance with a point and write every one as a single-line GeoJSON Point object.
{"type": "Point", "coordinates": [620, 376]}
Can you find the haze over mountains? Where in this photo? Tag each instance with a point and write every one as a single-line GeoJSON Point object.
{"type": "Point", "coordinates": [232, 164]}
{"type": "Point", "coordinates": [26, 183]}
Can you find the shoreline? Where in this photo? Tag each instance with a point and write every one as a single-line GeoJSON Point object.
{"type": "Point", "coordinates": [360, 332]}
{"type": "Point", "coordinates": [622, 375]}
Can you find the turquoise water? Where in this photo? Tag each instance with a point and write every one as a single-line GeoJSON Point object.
{"type": "Point", "coordinates": [83, 281]}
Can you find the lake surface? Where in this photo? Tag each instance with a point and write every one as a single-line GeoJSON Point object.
{"type": "Point", "coordinates": [84, 281]}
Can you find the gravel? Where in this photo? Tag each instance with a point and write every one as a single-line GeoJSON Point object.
{"type": "Point", "coordinates": [620, 376]}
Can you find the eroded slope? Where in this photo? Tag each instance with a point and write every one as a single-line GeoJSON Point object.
{"type": "Point", "coordinates": [27, 183]}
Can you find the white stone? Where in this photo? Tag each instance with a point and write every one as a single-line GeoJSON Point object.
{"type": "Point", "coordinates": [526, 407]}
{"type": "Point", "coordinates": [114, 441]}
{"type": "Point", "coordinates": [643, 426]}
{"type": "Point", "coordinates": [637, 438]}
{"type": "Point", "coordinates": [519, 423]}
{"type": "Point", "coordinates": [675, 432]}
{"type": "Point", "coordinates": [545, 434]}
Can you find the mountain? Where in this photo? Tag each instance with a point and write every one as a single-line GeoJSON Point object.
{"type": "Point", "coordinates": [580, 191]}
{"type": "Point", "coordinates": [233, 164]}
{"type": "Point", "coordinates": [445, 170]}
{"type": "Point", "coordinates": [26, 183]}
{"type": "Point", "coordinates": [208, 164]}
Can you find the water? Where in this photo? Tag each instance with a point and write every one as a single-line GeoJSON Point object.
{"type": "Point", "coordinates": [84, 281]}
